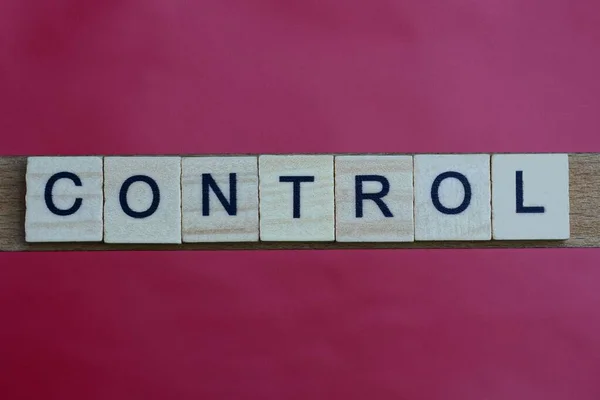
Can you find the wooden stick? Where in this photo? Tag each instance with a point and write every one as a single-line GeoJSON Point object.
{"type": "Point", "coordinates": [585, 219]}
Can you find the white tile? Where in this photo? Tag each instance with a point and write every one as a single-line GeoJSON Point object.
{"type": "Point", "coordinates": [374, 198]}
{"type": "Point", "coordinates": [452, 214]}
{"type": "Point", "coordinates": [143, 216]}
{"type": "Point", "coordinates": [313, 218]}
{"type": "Point", "coordinates": [540, 209]}
{"type": "Point", "coordinates": [227, 215]}
{"type": "Point", "coordinates": [72, 211]}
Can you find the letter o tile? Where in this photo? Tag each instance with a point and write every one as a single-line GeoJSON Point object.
{"type": "Point", "coordinates": [142, 199]}
{"type": "Point", "coordinates": [452, 197]}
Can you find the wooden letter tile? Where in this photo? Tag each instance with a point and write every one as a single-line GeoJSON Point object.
{"type": "Point", "coordinates": [530, 196]}
{"type": "Point", "coordinates": [452, 197]}
{"type": "Point", "coordinates": [142, 199]}
{"type": "Point", "coordinates": [64, 199]}
{"type": "Point", "coordinates": [374, 198]}
{"type": "Point", "coordinates": [220, 199]}
{"type": "Point", "coordinates": [296, 198]}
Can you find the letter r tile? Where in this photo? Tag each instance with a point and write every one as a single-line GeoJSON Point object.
{"type": "Point", "coordinates": [64, 199]}
{"type": "Point", "coordinates": [142, 199]}
{"type": "Point", "coordinates": [219, 199]}
{"type": "Point", "coordinates": [530, 196]}
{"type": "Point", "coordinates": [452, 197]}
{"type": "Point", "coordinates": [296, 198]}
{"type": "Point", "coordinates": [374, 198]}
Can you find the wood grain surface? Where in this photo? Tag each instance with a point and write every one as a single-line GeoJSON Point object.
{"type": "Point", "coordinates": [585, 219]}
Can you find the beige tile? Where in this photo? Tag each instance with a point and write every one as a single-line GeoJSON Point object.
{"type": "Point", "coordinates": [530, 198]}
{"type": "Point", "coordinates": [374, 198]}
{"type": "Point", "coordinates": [444, 209]}
{"type": "Point", "coordinates": [150, 210]}
{"type": "Point", "coordinates": [211, 210]}
{"type": "Point", "coordinates": [312, 218]}
{"type": "Point", "coordinates": [72, 210]}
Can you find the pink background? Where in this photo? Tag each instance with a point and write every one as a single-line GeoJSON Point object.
{"type": "Point", "coordinates": [262, 76]}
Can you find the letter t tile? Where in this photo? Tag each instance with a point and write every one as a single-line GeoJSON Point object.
{"type": "Point", "coordinates": [296, 198]}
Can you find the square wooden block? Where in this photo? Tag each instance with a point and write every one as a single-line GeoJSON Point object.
{"type": "Point", "coordinates": [64, 199]}
{"type": "Point", "coordinates": [296, 198]}
{"type": "Point", "coordinates": [220, 199]}
{"type": "Point", "coordinates": [374, 198]}
{"type": "Point", "coordinates": [530, 196]}
{"type": "Point", "coordinates": [142, 199]}
{"type": "Point", "coordinates": [452, 197]}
